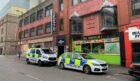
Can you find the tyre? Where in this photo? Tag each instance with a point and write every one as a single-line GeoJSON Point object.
{"type": "Point", "coordinates": [61, 65]}
{"type": "Point", "coordinates": [27, 61]}
{"type": "Point", "coordinates": [87, 69]}
{"type": "Point", "coordinates": [40, 63]}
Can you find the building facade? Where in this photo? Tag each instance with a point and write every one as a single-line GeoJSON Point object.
{"type": "Point", "coordinates": [129, 23]}
{"type": "Point", "coordinates": [92, 24]}
{"type": "Point", "coordinates": [35, 27]}
{"type": "Point", "coordinates": [8, 27]}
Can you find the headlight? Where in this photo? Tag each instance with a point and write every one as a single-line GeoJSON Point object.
{"type": "Point", "coordinates": [96, 64]}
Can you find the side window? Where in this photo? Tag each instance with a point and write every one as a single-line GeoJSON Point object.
{"type": "Point", "coordinates": [69, 56]}
{"type": "Point", "coordinates": [76, 56]}
{"type": "Point", "coordinates": [38, 52]}
{"type": "Point", "coordinates": [33, 51]}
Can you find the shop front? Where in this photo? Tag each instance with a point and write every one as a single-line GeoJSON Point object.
{"type": "Point", "coordinates": [105, 47]}
{"type": "Point", "coordinates": [132, 43]}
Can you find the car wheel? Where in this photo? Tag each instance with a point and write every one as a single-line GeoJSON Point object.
{"type": "Point", "coordinates": [87, 69]}
{"type": "Point", "coordinates": [40, 63]}
{"type": "Point", "coordinates": [61, 65]}
{"type": "Point", "coordinates": [27, 61]}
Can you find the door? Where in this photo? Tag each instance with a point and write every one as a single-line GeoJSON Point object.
{"type": "Point", "coordinates": [32, 55]}
{"type": "Point", "coordinates": [77, 61]}
{"type": "Point", "coordinates": [60, 50]}
{"type": "Point", "coordinates": [37, 55]}
{"type": "Point", "coordinates": [136, 53]}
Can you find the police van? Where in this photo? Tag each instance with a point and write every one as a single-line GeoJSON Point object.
{"type": "Point", "coordinates": [41, 56]}
{"type": "Point", "coordinates": [82, 62]}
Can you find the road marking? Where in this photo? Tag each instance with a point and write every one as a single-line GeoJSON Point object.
{"type": "Point", "coordinates": [30, 76]}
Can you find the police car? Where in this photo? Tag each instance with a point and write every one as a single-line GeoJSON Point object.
{"type": "Point", "coordinates": [82, 62]}
{"type": "Point", "coordinates": [41, 56]}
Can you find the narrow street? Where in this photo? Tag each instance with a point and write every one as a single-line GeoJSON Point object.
{"type": "Point", "coordinates": [11, 69]}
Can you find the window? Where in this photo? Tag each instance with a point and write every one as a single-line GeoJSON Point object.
{"type": "Point", "coordinates": [32, 17]}
{"type": "Point", "coordinates": [26, 20]}
{"type": "Point", "coordinates": [2, 31]}
{"type": "Point", "coordinates": [61, 5]}
{"type": "Point", "coordinates": [76, 56]}
{"type": "Point", "coordinates": [33, 51]}
{"type": "Point", "coordinates": [48, 28]}
{"type": "Point", "coordinates": [83, 0]}
{"type": "Point", "coordinates": [61, 25]}
{"type": "Point", "coordinates": [109, 17]}
{"type": "Point", "coordinates": [135, 7]}
{"type": "Point", "coordinates": [21, 23]}
{"type": "Point", "coordinates": [69, 55]}
{"type": "Point", "coordinates": [40, 14]}
{"type": "Point", "coordinates": [26, 33]}
{"type": "Point", "coordinates": [40, 30]}
{"type": "Point", "coordinates": [49, 10]}
{"type": "Point", "coordinates": [38, 52]}
{"type": "Point", "coordinates": [32, 32]}
{"type": "Point", "coordinates": [22, 34]}
{"type": "Point", "coordinates": [1, 39]}
{"type": "Point", "coordinates": [74, 2]}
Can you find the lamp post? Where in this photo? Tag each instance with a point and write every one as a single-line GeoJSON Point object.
{"type": "Point", "coordinates": [20, 37]}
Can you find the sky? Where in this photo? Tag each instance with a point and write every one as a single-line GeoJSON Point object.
{"type": "Point", "coordinates": [3, 3]}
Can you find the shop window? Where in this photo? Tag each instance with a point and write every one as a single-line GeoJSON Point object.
{"type": "Point", "coordinates": [135, 7]}
{"type": "Point", "coordinates": [26, 20]}
{"type": "Point", "coordinates": [61, 25]}
{"type": "Point", "coordinates": [75, 2]}
{"type": "Point", "coordinates": [26, 33]}
{"type": "Point", "coordinates": [48, 28]}
{"type": "Point", "coordinates": [109, 17]}
{"type": "Point", "coordinates": [83, 0]}
{"type": "Point", "coordinates": [49, 10]}
{"type": "Point", "coordinates": [21, 23]}
{"type": "Point", "coordinates": [136, 52]}
{"type": "Point", "coordinates": [32, 17]}
{"type": "Point", "coordinates": [40, 30]}
{"type": "Point", "coordinates": [32, 32]}
{"type": "Point", "coordinates": [61, 5]}
{"type": "Point", "coordinates": [40, 14]}
{"type": "Point", "coordinates": [48, 44]}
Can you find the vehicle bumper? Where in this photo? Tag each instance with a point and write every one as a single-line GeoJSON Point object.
{"type": "Point", "coordinates": [134, 73]}
{"type": "Point", "coordinates": [49, 62]}
{"type": "Point", "coordinates": [99, 69]}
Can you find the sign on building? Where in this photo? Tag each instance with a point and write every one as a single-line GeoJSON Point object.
{"type": "Point", "coordinates": [134, 34]}
{"type": "Point", "coordinates": [53, 22]}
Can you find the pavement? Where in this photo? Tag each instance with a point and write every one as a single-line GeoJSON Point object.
{"type": "Point", "coordinates": [13, 69]}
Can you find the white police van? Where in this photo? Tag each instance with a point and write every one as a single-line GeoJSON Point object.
{"type": "Point", "coordinates": [41, 56]}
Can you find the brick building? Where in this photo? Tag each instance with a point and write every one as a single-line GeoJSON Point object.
{"type": "Point", "coordinates": [91, 23]}
{"type": "Point", "coordinates": [35, 27]}
{"type": "Point", "coordinates": [129, 23]}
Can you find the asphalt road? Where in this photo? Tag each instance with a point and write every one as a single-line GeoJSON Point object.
{"type": "Point", "coordinates": [12, 69]}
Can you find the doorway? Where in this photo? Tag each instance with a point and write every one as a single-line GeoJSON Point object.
{"type": "Point", "coordinates": [60, 50]}
{"type": "Point", "coordinates": [136, 52]}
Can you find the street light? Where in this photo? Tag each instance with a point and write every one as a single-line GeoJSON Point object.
{"type": "Point", "coordinates": [20, 37]}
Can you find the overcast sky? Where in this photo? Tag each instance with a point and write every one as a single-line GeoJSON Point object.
{"type": "Point", "coordinates": [2, 3]}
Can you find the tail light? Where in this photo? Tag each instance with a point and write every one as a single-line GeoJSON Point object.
{"type": "Point", "coordinates": [132, 66]}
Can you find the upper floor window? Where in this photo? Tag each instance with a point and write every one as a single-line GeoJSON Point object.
{"type": "Point", "coordinates": [61, 25]}
{"type": "Point", "coordinates": [32, 17]}
{"type": "Point", "coordinates": [32, 32]}
{"type": "Point", "coordinates": [109, 17]}
{"type": "Point", "coordinates": [61, 5]}
{"type": "Point", "coordinates": [21, 23]}
{"type": "Point", "coordinates": [83, 0]}
{"type": "Point", "coordinates": [49, 10]}
{"type": "Point", "coordinates": [48, 28]}
{"type": "Point", "coordinates": [40, 14]}
{"type": "Point", "coordinates": [135, 7]}
{"type": "Point", "coordinates": [74, 2]}
{"type": "Point", "coordinates": [26, 20]}
{"type": "Point", "coordinates": [26, 33]}
{"type": "Point", "coordinates": [40, 30]}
